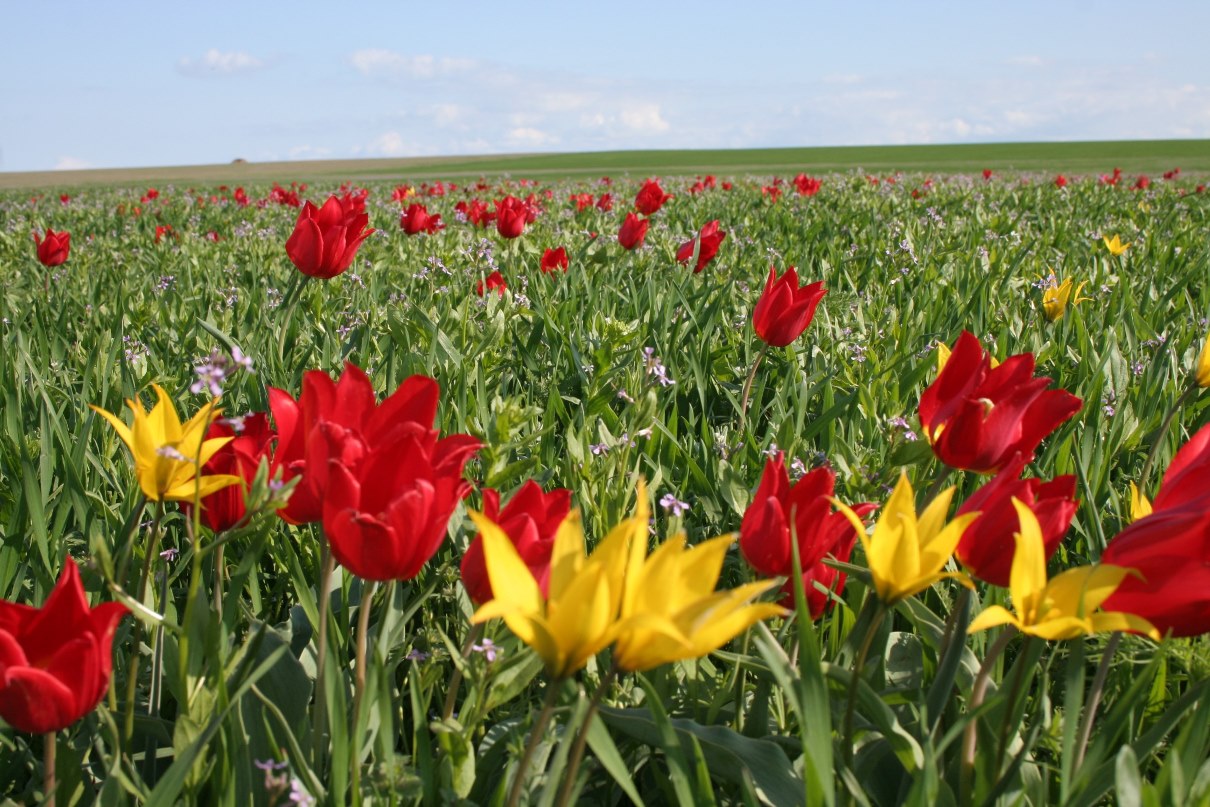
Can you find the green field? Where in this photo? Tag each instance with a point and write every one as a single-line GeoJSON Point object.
{"type": "Point", "coordinates": [1135, 156]}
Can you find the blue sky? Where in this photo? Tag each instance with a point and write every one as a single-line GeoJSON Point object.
{"type": "Point", "coordinates": [113, 84]}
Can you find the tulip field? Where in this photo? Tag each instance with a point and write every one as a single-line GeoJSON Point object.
{"type": "Point", "coordinates": [833, 488]}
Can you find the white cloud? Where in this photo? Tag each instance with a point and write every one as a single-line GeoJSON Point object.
{"type": "Point", "coordinates": [218, 63]}
{"type": "Point", "coordinates": [71, 164]}
{"type": "Point", "coordinates": [644, 118]}
{"type": "Point", "coordinates": [381, 62]}
{"type": "Point", "coordinates": [309, 152]}
{"type": "Point", "coordinates": [529, 137]}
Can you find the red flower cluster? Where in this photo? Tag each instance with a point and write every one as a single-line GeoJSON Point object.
{"type": "Point", "coordinates": [807, 186]}
{"type": "Point", "coordinates": [554, 259]}
{"type": "Point", "coordinates": [326, 239]}
{"type": "Point", "coordinates": [493, 282]}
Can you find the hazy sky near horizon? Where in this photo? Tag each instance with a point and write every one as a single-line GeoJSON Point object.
{"type": "Point", "coordinates": [117, 84]}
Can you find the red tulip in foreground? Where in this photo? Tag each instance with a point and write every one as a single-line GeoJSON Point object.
{"type": "Point", "coordinates": [765, 533]}
{"type": "Point", "coordinates": [1170, 549]}
{"type": "Point", "coordinates": [632, 232]}
{"type": "Point", "coordinates": [553, 259]}
{"type": "Point", "coordinates": [530, 520]}
{"type": "Point", "coordinates": [988, 543]}
{"type": "Point", "coordinates": [977, 417]}
{"type": "Point", "coordinates": [53, 248]}
{"type": "Point", "coordinates": [55, 661]}
{"type": "Point", "coordinates": [785, 309]}
{"type": "Point", "coordinates": [650, 198]}
{"type": "Point", "coordinates": [711, 237]}
{"type": "Point", "coordinates": [326, 239]}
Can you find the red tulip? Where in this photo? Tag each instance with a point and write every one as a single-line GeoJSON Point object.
{"type": "Point", "coordinates": [605, 203]}
{"type": "Point", "coordinates": [530, 520]}
{"type": "Point", "coordinates": [650, 198]}
{"type": "Point", "coordinates": [476, 212]}
{"type": "Point", "coordinates": [326, 239]}
{"type": "Point", "coordinates": [632, 232]}
{"type": "Point", "coordinates": [512, 214]}
{"type": "Point", "coordinates": [987, 174]}
{"type": "Point", "coordinates": [1060, 181]}
{"type": "Point", "coordinates": [807, 186]}
{"type": "Point", "coordinates": [582, 201]}
{"type": "Point", "coordinates": [785, 310]}
{"type": "Point", "coordinates": [416, 219]}
{"type": "Point", "coordinates": [494, 281]}
{"type": "Point", "coordinates": [977, 417]}
{"type": "Point", "coordinates": [55, 661]}
{"type": "Point", "coordinates": [711, 237]}
{"type": "Point", "coordinates": [53, 248]}
{"type": "Point", "coordinates": [1170, 549]}
{"type": "Point", "coordinates": [553, 259]}
{"type": "Point", "coordinates": [987, 546]}
{"type": "Point", "coordinates": [252, 438]}
{"type": "Point", "coordinates": [764, 534]}
{"type": "Point", "coordinates": [350, 403]}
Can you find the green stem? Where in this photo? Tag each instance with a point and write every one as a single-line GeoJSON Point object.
{"type": "Point", "coordinates": [327, 565]}
{"type": "Point", "coordinates": [971, 734]}
{"type": "Point", "coordinates": [743, 404]}
{"type": "Point", "coordinates": [359, 686]}
{"type": "Point", "coordinates": [49, 785]}
{"type": "Point", "coordinates": [132, 667]}
{"type": "Point", "coordinates": [1010, 705]}
{"type": "Point", "coordinates": [1159, 437]}
{"type": "Point", "coordinates": [123, 567]}
{"type": "Point", "coordinates": [858, 666]}
{"type": "Point", "coordinates": [157, 684]}
{"type": "Point", "coordinates": [535, 736]}
{"type": "Point", "coordinates": [577, 750]}
{"type": "Point", "coordinates": [287, 307]}
{"type": "Point", "coordinates": [451, 695]}
{"type": "Point", "coordinates": [1094, 698]}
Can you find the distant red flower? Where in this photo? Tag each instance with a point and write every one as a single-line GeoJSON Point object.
{"type": "Point", "coordinates": [785, 310]}
{"type": "Point", "coordinates": [151, 193]}
{"type": "Point", "coordinates": [710, 238]}
{"type": "Point", "coordinates": [807, 186]}
{"type": "Point", "coordinates": [582, 201]}
{"type": "Point", "coordinates": [553, 259]}
{"type": "Point", "coordinates": [1060, 181]}
{"type": "Point", "coordinates": [987, 174]}
{"type": "Point", "coordinates": [326, 239]}
{"type": "Point", "coordinates": [53, 248]}
{"type": "Point", "coordinates": [1142, 183]}
{"type": "Point", "coordinates": [475, 212]}
{"type": "Point", "coordinates": [212, 235]}
{"type": "Point", "coordinates": [605, 203]}
{"type": "Point", "coordinates": [511, 216]}
{"type": "Point", "coordinates": [1173, 174]}
{"type": "Point", "coordinates": [64, 198]}
{"type": "Point", "coordinates": [416, 219]}
{"type": "Point", "coordinates": [632, 231]}
{"type": "Point", "coordinates": [650, 198]}
{"type": "Point", "coordinates": [494, 281]}
{"type": "Point", "coordinates": [402, 192]}
{"type": "Point", "coordinates": [162, 230]}
{"type": "Point", "coordinates": [771, 191]}
{"type": "Point", "coordinates": [240, 196]}
{"type": "Point", "coordinates": [727, 186]}
{"type": "Point", "coordinates": [709, 181]}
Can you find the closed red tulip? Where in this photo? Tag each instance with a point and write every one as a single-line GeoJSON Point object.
{"type": "Point", "coordinates": [349, 402]}
{"type": "Point", "coordinates": [251, 440]}
{"type": "Point", "coordinates": [807, 186]}
{"type": "Point", "coordinates": [53, 248]}
{"type": "Point", "coordinates": [55, 661]}
{"type": "Point", "coordinates": [1060, 181]}
{"type": "Point", "coordinates": [987, 545]}
{"type": "Point", "coordinates": [554, 259]}
{"type": "Point", "coordinates": [416, 219]}
{"type": "Point", "coordinates": [493, 282]}
{"type": "Point", "coordinates": [650, 198]}
{"type": "Point", "coordinates": [710, 237]}
{"type": "Point", "coordinates": [530, 520]}
{"type": "Point", "coordinates": [632, 232]}
{"type": "Point", "coordinates": [512, 215]}
{"type": "Point", "coordinates": [785, 309]}
{"type": "Point", "coordinates": [765, 533]}
{"type": "Point", "coordinates": [1170, 549]}
{"type": "Point", "coordinates": [326, 239]}
{"type": "Point", "coordinates": [978, 417]}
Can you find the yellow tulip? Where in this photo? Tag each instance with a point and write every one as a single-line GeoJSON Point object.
{"type": "Point", "coordinates": [169, 455]}
{"type": "Point", "coordinates": [906, 553]}
{"type": "Point", "coordinates": [576, 620]}
{"type": "Point", "coordinates": [1061, 608]}
{"type": "Point", "coordinates": [1140, 506]}
{"type": "Point", "coordinates": [1115, 245]}
{"type": "Point", "coordinates": [671, 611]}
{"type": "Point", "coordinates": [1203, 365]}
{"type": "Point", "coordinates": [1056, 296]}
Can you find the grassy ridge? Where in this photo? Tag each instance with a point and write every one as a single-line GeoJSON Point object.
{"type": "Point", "coordinates": [1134, 156]}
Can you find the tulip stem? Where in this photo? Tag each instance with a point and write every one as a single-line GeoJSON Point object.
{"type": "Point", "coordinates": [287, 308]}
{"type": "Point", "coordinates": [451, 695]}
{"type": "Point", "coordinates": [49, 785]}
{"type": "Point", "coordinates": [535, 736]}
{"type": "Point", "coordinates": [132, 668]}
{"type": "Point", "coordinates": [1094, 698]}
{"type": "Point", "coordinates": [970, 735]}
{"type": "Point", "coordinates": [359, 686]}
{"type": "Point", "coordinates": [1159, 437]}
{"type": "Point", "coordinates": [855, 680]}
{"type": "Point", "coordinates": [743, 403]}
{"type": "Point", "coordinates": [1014, 693]}
{"type": "Point", "coordinates": [577, 751]}
{"type": "Point", "coordinates": [327, 565]}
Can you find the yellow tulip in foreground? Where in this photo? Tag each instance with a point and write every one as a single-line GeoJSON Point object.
{"type": "Point", "coordinates": [671, 611]}
{"type": "Point", "coordinates": [1061, 608]}
{"type": "Point", "coordinates": [1115, 245]}
{"type": "Point", "coordinates": [168, 454]}
{"type": "Point", "coordinates": [576, 620]}
{"type": "Point", "coordinates": [906, 553]}
{"type": "Point", "coordinates": [1056, 296]}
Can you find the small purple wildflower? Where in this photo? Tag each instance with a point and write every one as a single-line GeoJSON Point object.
{"type": "Point", "coordinates": [672, 504]}
{"type": "Point", "coordinates": [488, 648]}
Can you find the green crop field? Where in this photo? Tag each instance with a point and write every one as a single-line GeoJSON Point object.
{"type": "Point", "coordinates": [523, 480]}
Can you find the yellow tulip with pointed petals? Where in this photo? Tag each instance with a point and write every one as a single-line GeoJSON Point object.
{"type": "Point", "coordinates": [906, 553]}
{"type": "Point", "coordinates": [1062, 608]}
{"type": "Point", "coordinates": [1056, 296]}
{"type": "Point", "coordinates": [671, 611]}
{"type": "Point", "coordinates": [1115, 245]}
{"type": "Point", "coordinates": [168, 455]}
{"type": "Point", "coordinates": [576, 620]}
